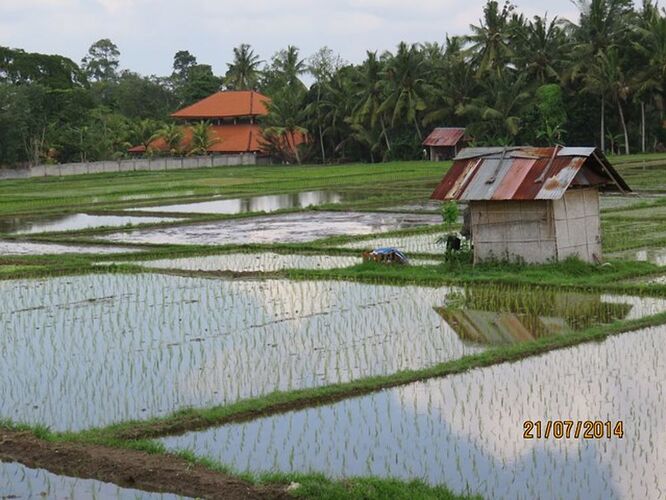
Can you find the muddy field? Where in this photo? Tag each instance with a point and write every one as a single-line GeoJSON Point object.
{"type": "Point", "coordinates": [289, 228]}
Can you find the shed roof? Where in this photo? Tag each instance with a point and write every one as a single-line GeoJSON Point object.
{"type": "Point", "coordinates": [226, 104]}
{"type": "Point", "coordinates": [525, 173]}
{"type": "Point", "coordinates": [444, 136]}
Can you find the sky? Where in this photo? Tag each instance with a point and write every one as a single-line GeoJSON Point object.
{"type": "Point", "coordinates": [149, 32]}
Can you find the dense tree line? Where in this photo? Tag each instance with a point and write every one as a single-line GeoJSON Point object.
{"type": "Point", "coordinates": [599, 80]}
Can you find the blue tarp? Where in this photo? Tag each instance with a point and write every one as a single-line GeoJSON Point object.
{"type": "Point", "coordinates": [391, 251]}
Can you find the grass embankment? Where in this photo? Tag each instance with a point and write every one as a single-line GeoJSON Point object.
{"type": "Point", "coordinates": [51, 194]}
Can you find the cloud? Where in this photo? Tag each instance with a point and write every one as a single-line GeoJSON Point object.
{"type": "Point", "coordinates": [149, 32]}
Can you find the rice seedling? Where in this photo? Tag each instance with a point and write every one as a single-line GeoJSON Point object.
{"type": "Point", "coordinates": [32, 248]}
{"type": "Point", "coordinates": [210, 342]}
{"type": "Point", "coordinates": [466, 431]}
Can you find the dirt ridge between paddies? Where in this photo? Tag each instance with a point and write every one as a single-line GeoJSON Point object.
{"type": "Point", "coordinates": [281, 402]}
{"type": "Point", "coordinates": [160, 473]}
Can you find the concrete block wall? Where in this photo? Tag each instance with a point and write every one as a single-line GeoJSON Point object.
{"type": "Point", "coordinates": [67, 169]}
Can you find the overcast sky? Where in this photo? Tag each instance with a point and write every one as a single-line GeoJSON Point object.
{"type": "Point", "coordinates": [149, 32]}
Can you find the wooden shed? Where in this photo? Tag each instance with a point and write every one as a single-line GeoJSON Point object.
{"type": "Point", "coordinates": [443, 143]}
{"type": "Point", "coordinates": [532, 204]}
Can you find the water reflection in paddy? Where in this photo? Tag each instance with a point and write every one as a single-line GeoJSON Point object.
{"type": "Point", "coordinates": [265, 203]}
{"type": "Point", "coordinates": [70, 222]}
{"type": "Point", "coordinates": [291, 228]}
{"type": "Point", "coordinates": [20, 482]}
{"type": "Point", "coordinates": [30, 248]}
{"type": "Point", "coordinates": [91, 350]}
{"type": "Point", "coordinates": [466, 431]}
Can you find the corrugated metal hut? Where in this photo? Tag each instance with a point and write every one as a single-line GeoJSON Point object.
{"type": "Point", "coordinates": [443, 143]}
{"type": "Point", "coordinates": [532, 204]}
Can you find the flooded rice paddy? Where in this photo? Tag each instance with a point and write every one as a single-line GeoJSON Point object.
{"type": "Point", "coordinates": [466, 431]}
{"type": "Point", "coordinates": [266, 203]}
{"type": "Point", "coordinates": [655, 255]}
{"type": "Point", "coordinates": [287, 228]}
{"type": "Point", "coordinates": [254, 262]}
{"type": "Point", "coordinates": [20, 482]}
{"type": "Point", "coordinates": [264, 262]}
{"type": "Point", "coordinates": [91, 350]}
{"type": "Point", "coordinates": [29, 248]}
{"type": "Point", "coordinates": [419, 243]}
{"type": "Point", "coordinates": [71, 222]}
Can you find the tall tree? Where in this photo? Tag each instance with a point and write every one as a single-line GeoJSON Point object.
{"type": "Point", "coordinates": [101, 62]}
{"type": "Point", "coordinates": [404, 75]}
{"type": "Point", "coordinates": [323, 64]}
{"type": "Point", "coordinates": [490, 40]}
{"type": "Point", "coordinates": [243, 72]}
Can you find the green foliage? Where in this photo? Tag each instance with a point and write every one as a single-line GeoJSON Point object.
{"type": "Point", "coordinates": [101, 63]}
{"type": "Point", "coordinates": [510, 80]}
{"type": "Point", "coordinates": [243, 72]}
{"type": "Point", "coordinates": [552, 114]}
{"type": "Point", "coordinates": [450, 214]}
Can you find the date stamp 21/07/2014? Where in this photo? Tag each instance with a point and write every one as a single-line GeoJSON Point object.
{"type": "Point", "coordinates": [573, 429]}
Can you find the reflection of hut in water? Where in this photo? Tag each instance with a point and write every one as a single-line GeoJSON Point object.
{"type": "Point", "coordinates": [510, 317]}
{"type": "Point", "coordinates": [532, 204]}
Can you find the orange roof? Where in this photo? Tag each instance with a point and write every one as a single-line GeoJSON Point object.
{"type": "Point", "coordinates": [227, 104]}
{"type": "Point", "coordinates": [241, 138]}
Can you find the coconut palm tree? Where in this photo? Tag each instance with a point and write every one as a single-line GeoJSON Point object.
{"type": "Point", "coordinates": [404, 92]}
{"type": "Point", "coordinates": [648, 80]}
{"type": "Point", "coordinates": [495, 116]}
{"type": "Point", "coordinates": [202, 138]}
{"type": "Point", "coordinates": [490, 40]}
{"type": "Point", "coordinates": [605, 78]}
{"type": "Point", "coordinates": [172, 135]}
{"type": "Point", "coordinates": [369, 96]}
{"type": "Point", "coordinates": [283, 127]}
{"type": "Point", "coordinates": [540, 50]}
{"type": "Point", "coordinates": [243, 73]}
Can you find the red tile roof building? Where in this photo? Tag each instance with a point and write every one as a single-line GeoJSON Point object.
{"type": "Point", "coordinates": [233, 117]}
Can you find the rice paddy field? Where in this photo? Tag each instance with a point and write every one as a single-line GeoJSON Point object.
{"type": "Point", "coordinates": [216, 333]}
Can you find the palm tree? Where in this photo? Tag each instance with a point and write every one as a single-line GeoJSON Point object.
{"type": "Point", "coordinates": [404, 95]}
{"type": "Point", "coordinates": [283, 126]}
{"type": "Point", "coordinates": [369, 96]}
{"type": "Point", "coordinates": [243, 73]}
{"type": "Point", "coordinates": [541, 50]}
{"type": "Point", "coordinates": [172, 135]}
{"type": "Point", "coordinates": [454, 89]}
{"type": "Point", "coordinates": [496, 114]}
{"type": "Point", "coordinates": [142, 133]}
{"type": "Point", "coordinates": [290, 67]}
{"type": "Point", "coordinates": [648, 81]}
{"type": "Point", "coordinates": [202, 138]}
{"type": "Point", "coordinates": [490, 40]}
{"type": "Point", "coordinates": [606, 79]}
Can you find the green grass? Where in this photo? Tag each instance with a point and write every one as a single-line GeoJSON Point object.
{"type": "Point", "coordinates": [52, 194]}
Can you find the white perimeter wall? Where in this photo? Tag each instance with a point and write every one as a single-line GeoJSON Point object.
{"type": "Point", "coordinates": [131, 165]}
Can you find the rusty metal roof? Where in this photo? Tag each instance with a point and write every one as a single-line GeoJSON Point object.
{"type": "Point", "coordinates": [525, 173]}
{"type": "Point", "coordinates": [444, 136]}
